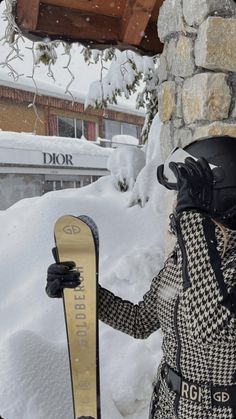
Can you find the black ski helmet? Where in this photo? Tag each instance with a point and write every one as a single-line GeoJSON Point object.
{"type": "Point", "coordinates": [220, 152]}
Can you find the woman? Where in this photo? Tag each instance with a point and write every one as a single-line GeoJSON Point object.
{"type": "Point", "coordinates": [193, 299]}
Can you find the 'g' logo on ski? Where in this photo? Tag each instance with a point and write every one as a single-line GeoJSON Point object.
{"type": "Point", "coordinates": [71, 229]}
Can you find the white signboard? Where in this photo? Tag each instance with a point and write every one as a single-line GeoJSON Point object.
{"type": "Point", "coordinates": [19, 156]}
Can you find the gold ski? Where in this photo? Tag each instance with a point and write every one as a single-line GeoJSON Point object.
{"type": "Point", "coordinates": [75, 242]}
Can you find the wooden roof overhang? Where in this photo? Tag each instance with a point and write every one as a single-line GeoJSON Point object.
{"type": "Point", "coordinates": [126, 24]}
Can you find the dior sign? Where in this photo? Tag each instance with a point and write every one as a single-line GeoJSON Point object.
{"type": "Point", "coordinates": [58, 159]}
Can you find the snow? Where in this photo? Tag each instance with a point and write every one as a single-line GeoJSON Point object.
{"type": "Point", "coordinates": [57, 89]}
{"type": "Point", "coordinates": [146, 187]}
{"type": "Point", "coordinates": [125, 139]}
{"type": "Point", "coordinates": [125, 164]}
{"type": "Point", "coordinates": [153, 145]}
{"type": "Point", "coordinates": [34, 369]}
{"type": "Point", "coordinates": [119, 77]}
{"type": "Point", "coordinates": [26, 141]}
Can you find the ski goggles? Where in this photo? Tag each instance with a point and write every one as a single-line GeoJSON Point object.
{"type": "Point", "coordinates": [165, 175]}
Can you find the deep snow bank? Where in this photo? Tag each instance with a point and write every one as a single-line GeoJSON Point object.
{"type": "Point", "coordinates": [34, 372]}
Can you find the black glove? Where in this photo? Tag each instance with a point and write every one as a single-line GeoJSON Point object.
{"type": "Point", "coordinates": [194, 184]}
{"type": "Point", "coordinates": [162, 179]}
{"type": "Point", "coordinates": [60, 276]}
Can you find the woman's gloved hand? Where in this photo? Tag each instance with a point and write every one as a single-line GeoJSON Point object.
{"type": "Point", "coordinates": [60, 276]}
{"type": "Point", "coordinates": [194, 185]}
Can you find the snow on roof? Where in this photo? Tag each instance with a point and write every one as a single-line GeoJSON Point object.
{"type": "Point", "coordinates": [26, 141]}
{"type": "Point", "coordinates": [125, 139]}
{"type": "Point", "coordinates": [53, 90]}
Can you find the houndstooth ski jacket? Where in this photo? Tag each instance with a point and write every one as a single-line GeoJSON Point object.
{"type": "Point", "coordinates": [192, 300]}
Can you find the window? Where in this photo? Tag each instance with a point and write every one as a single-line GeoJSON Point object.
{"type": "Point", "coordinates": [113, 128]}
{"type": "Point", "coordinates": [66, 127]}
{"type": "Point", "coordinates": [52, 185]}
{"type": "Point", "coordinates": [129, 129]}
{"type": "Point", "coordinates": [89, 130]}
{"type": "Point", "coordinates": [58, 184]}
{"type": "Point", "coordinates": [72, 127]}
{"type": "Point", "coordinates": [79, 128]}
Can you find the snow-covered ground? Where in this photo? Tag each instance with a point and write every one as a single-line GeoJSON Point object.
{"type": "Point", "coordinates": [34, 370]}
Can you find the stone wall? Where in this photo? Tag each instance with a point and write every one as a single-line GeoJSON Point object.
{"type": "Point", "coordinates": [197, 72]}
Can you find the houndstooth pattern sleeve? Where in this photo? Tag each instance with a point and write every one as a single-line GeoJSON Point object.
{"type": "Point", "coordinates": [137, 320]}
{"type": "Point", "coordinates": [208, 319]}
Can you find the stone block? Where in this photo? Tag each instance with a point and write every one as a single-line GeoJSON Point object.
{"type": "Point", "coordinates": [166, 140]}
{"type": "Point", "coordinates": [215, 44]}
{"type": "Point", "coordinates": [196, 11]}
{"type": "Point", "coordinates": [179, 105]}
{"type": "Point", "coordinates": [162, 71]}
{"type": "Point", "coordinates": [233, 113]}
{"type": "Point", "coordinates": [170, 19]}
{"type": "Point", "coordinates": [206, 96]}
{"type": "Point", "coordinates": [183, 137]}
{"type": "Point", "coordinates": [166, 100]}
{"type": "Point", "coordinates": [180, 57]}
{"type": "Point", "coordinates": [178, 123]}
{"type": "Point", "coordinates": [215, 129]}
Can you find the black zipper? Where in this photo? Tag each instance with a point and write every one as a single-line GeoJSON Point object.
{"type": "Point", "coordinates": [178, 352]}
{"type": "Point", "coordinates": [176, 226]}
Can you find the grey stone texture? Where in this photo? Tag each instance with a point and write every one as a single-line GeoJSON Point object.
{"type": "Point", "coordinates": [206, 96]}
{"type": "Point", "coordinates": [196, 11]}
{"type": "Point", "coordinates": [197, 69]}
{"type": "Point", "coordinates": [179, 103]}
{"type": "Point", "coordinates": [215, 129]}
{"type": "Point", "coordinates": [162, 71]}
{"type": "Point", "coordinates": [233, 113]}
{"type": "Point", "coordinates": [166, 140]}
{"type": "Point", "coordinates": [180, 58]}
{"type": "Point", "coordinates": [183, 137]}
{"type": "Point", "coordinates": [215, 44]}
{"type": "Point", "coordinates": [170, 19]}
{"type": "Point", "coordinates": [178, 123]}
{"type": "Point", "coordinates": [172, 137]}
{"type": "Point", "coordinates": [166, 99]}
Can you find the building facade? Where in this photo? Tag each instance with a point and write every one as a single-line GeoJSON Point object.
{"type": "Point", "coordinates": [34, 165]}
{"type": "Point", "coordinates": [31, 165]}
{"type": "Point", "coordinates": [60, 116]}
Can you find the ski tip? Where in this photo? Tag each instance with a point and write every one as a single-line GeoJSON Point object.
{"type": "Point", "coordinates": [88, 220]}
{"type": "Point", "coordinates": [93, 227]}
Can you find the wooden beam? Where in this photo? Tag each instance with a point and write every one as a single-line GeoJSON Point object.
{"type": "Point", "coordinates": [156, 11]}
{"type": "Point", "coordinates": [135, 20]}
{"type": "Point", "coordinates": [71, 24]}
{"type": "Point", "coordinates": [92, 29]}
{"type": "Point", "coordinates": [150, 42]}
{"type": "Point", "coordinates": [113, 8]}
{"type": "Point", "coordinates": [27, 15]}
